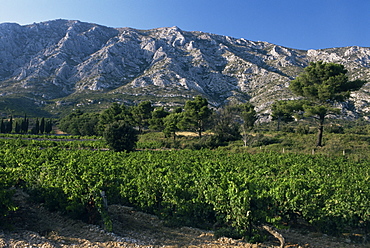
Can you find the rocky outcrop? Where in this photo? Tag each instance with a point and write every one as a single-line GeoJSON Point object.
{"type": "Point", "coordinates": [60, 58]}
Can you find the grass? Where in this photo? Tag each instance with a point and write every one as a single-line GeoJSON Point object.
{"type": "Point", "coordinates": [355, 146]}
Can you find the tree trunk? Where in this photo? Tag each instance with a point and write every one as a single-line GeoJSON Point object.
{"type": "Point", "coordinates": [320, 131]}
{"type": "Point", "coordinates": [200, 126]}
{"type": "Point", "coordinates": [245, 140]}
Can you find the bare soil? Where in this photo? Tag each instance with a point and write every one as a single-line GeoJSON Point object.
{"type": "Point", "coordinates": [34, 226]}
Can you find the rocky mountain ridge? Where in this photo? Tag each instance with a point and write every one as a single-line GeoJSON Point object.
{"type": "Point", "coordinates": [64, 64]}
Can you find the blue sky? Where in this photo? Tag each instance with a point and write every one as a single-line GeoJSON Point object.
{"type": "Point", "coordinates": [301, 24]}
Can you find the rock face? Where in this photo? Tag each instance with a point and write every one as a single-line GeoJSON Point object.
{"type": "Point", "coordinates": [55, 60]}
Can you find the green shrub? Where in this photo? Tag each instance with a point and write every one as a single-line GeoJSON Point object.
{"type": "Point", "coordinates": [287, 129]}
{"type": "Point", "coordinates": [206, 142]}
{"type": "Point", "coordinates": [120, 136]}
{"type": "Point", "coordinates": [334, 129]}
{"type": "Point", "coordinates": [302, 129]}
{"type": "Point", "coordinates": [261, 140]}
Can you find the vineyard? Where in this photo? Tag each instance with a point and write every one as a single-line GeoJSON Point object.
{"type": "Point", "coordinates": [232, 193]}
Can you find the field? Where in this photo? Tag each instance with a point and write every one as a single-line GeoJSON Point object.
{"type": "Point", "coordinates": [232, 193]}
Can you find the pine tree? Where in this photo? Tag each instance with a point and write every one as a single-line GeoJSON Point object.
{"type": "Point", "coordinates": [141, 114]}
{"type": "Point", "coordinates": [322, 85]}
{"type": "Point", "coordinates": [196, 115]}
{"type": "Point", "coordinates": [157, 120]}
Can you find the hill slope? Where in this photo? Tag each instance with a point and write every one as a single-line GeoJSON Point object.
{"type": "Point", "coordinates": [63, 64]}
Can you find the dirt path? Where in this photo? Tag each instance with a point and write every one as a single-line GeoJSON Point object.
{"type": "Point", "coordinates": [34, 226]}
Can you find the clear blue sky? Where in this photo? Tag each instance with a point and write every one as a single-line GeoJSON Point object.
{"type": "Point", "coordinates": [302, 24]}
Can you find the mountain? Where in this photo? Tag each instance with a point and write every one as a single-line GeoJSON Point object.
{"type": "Point", "coordinates": [59, 65]}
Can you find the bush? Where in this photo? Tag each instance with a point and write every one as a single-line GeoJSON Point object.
{"type": "Point", "coordinates": [302, 129]}
{"type": "Point", "coordinates": [363, 130]}
{"type": "Point", "coordinates": [287, 129]}
{"type": "Point", "coordinates": [120, 136]}
{"type": "Point", "coordinates": [206, 142]}
{"type": "Point", "coordinates": [261, 140]}
{"type": "Point", "coordinates": [151, 140]}
{"type": "Point", "coordinates": [334, 129]}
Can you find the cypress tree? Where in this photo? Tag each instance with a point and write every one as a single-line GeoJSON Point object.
{"type": "Point", "coordinates": [42, 125]}
{"type": "Point", "coordinates": [24, 125]}
{"type": "Point", "coordinates": [27, 125]}
{"type": "Point", "coordinates": [9, 125]}
{"type": "Point", "coordinates": [2, 126]}
{"type": "Point", "coordinates": [48, 126]}
{"type": "Point", "coordinates": [36, 128]}
{"type": "Point", "coordinates": [17, 128]}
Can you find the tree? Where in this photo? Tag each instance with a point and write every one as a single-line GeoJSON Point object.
{"type": "Point", "coordinates": [322, 85]}
{"type": "Point", "coordinates": [120, 136]}
{"type": "Point", "coordinates": [48, 126]}
{"type": "Point", "coordinates": [157, 120]}
{"type": "Point", "coordinates": [79, 123]}
{"type": "Point", "coordinates": [286, 110]}
{"type": "Point", "coordinates": [225, 125]}
{"type": "Point", "coordinates": [248, 116]}
{"type": "Point", "coordinates": [196, 114]}
{"type": "Point", "coordinates": [141, 114]}
{"type": "Point", "coordinates": [2, 126]}
{"type": "Point", "coordinates": [116, 112]}
{"type": "Point", "coordinates": [171, 124]}
{"type": "Point", "coordinates": [24, 124]}
{"type": "Point", "coordinates": [36, 127]}
{"type": "Point", "coordinates": [9, 125]}
{"type": "Point", "coordinates": [42, 125]}
{"type": "Point", "coordinates": [69, 123]}
{"type": "Point", "coordinates": [88, 124]}
{"type": "Point", "coordinates": [17, 128]}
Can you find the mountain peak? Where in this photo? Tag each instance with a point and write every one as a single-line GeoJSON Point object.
{"type": "Point", "coordinates": [66, 59]}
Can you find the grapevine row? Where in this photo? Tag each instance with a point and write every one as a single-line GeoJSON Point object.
{"type": "Point", "coordinates": [200, 188]}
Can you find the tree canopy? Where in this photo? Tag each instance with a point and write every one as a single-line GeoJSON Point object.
{"type": "Point", "coordinates": [248, 117]}
{"type": "Point", "coordinates": [120, 136]}
{"type": "Point", "coordinates": [226, 126]}
{"type": "Point", "coordinates": [323, 84]}
{"type": "Point", "coordinates": [157, 120]}
{"type": "Point", "coordinates": [286, 110]}
{"type": "Point", "coordinates": [196, 114]}
{"type": "Point", "coordinates": [78, 123]}
{"type": "Point", "coordinates": [171, 124]}
{"type": "Point", "coordinates": [141, 114]}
